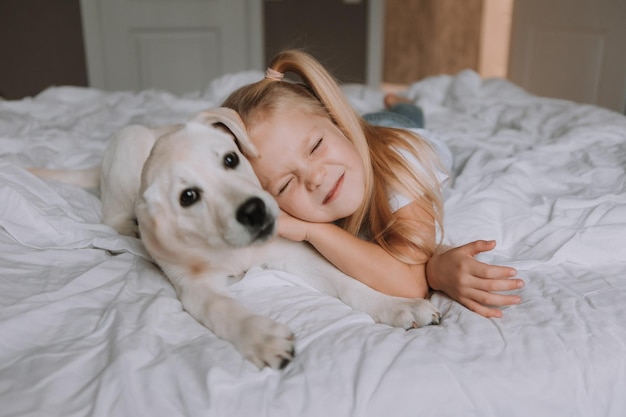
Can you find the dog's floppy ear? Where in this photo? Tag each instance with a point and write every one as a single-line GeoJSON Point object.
{"type": "Point", "coordinates": [150, 205]}
{"type": "Point", "coordinates": [229, 118]}
{"type": "Point", "coordinates": [154, 221]}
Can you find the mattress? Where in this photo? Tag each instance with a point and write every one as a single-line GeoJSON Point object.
{"type": "Point", "coordinates": [90, 327]}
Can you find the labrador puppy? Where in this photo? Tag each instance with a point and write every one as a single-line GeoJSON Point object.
{"type": "Point", "coordinates": [191, 195]}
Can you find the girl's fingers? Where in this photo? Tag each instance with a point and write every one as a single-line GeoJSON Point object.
{"type": "Point", "coordinates": [493, 299]}
{"type": "Point", "coordinates": [481, 292]}
{"type": "Point", "coordinates": [479, 246]}
{"type": "Point", "coordinates": [484, 270]}
{"type": "Point", "coordinates": [481, 309]}
{"type": "Point", "coordinates": [497, 284]}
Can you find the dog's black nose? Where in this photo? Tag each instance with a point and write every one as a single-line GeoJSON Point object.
{"type": "Point", "coordinates": [252, 212]}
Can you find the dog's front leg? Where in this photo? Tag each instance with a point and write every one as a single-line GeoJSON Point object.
{"type": "Point", "coordinates": [394, 311]}
{"type": "Point", "coordinates": [261, 340]}
{"type": "Point", "coordinates": [317, 271]}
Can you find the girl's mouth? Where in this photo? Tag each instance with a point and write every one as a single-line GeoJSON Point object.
{"type": "Point", "coordinates": [335, 190]}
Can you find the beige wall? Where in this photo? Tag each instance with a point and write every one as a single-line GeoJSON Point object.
{"type": "Point", "coordinates": [495, 38]}
{"type": "Point", "coordinates": [429, 37]}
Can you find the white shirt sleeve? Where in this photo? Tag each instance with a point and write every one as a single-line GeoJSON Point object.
{"type": "Point", "coordinates": [397, 200]}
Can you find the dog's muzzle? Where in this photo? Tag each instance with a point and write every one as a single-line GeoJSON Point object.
{"type": "Point", "coordinates": [254, 216]}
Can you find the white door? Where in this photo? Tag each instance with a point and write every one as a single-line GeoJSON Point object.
{"type": "Point", "coordinates": [571, 49]}
{"type": "Point", "coordinates": [174, 45]}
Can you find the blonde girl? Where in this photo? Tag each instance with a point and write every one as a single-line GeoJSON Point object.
{"type": "Point", "coordinates": [367, 197]}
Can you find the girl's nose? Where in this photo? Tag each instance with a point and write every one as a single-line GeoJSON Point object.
{"type": "Point", "coordinates": [315, 177]}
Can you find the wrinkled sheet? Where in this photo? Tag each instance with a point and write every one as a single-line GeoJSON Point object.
{"type": "Point", "coordinates": [89, 327]}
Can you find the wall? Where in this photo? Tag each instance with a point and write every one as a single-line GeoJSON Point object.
{"type": "Point", "coordinates": [495, 38]}
{"type": "Point", "coordinates": [430, 37]}
{"type": "Point", "coordinates": [334, 31]}
{"type": "Point", "coordinates": [42, 40]}
{"type": "Point", "coordinates": [41, 44]}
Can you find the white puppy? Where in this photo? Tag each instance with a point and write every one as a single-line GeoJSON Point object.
{"type": "Point", "coordinates": [204, 218]}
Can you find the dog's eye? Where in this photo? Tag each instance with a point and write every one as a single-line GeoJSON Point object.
{"type": "Point", "coordinates": [231, 160]}
{"type": "Point", "coordinates": [189, 196]}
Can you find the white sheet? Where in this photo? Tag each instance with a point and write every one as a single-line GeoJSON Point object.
{"type": "Point", "coordinates": [88, 326]}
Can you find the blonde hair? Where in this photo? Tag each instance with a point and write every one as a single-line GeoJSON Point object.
{"type": "Point", "coordinates": [319, 93]}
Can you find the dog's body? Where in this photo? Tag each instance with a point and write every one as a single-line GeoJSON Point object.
{"type": "Point", "coordinates": [204, 218]}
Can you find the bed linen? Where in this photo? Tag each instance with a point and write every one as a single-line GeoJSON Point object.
{"type": "Point", "coordinates": [90, 327]}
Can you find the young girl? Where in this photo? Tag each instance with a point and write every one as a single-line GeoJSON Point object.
{"type": "Point", "coordinates": [367, 197]}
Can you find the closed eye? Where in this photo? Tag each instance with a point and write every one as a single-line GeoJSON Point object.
{"type": "Point", "coordinates": [317, 145]}
{"type": "Point", "coordinates": [284, 187]}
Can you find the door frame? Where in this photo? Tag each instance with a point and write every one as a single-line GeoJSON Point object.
{"type": "Point", "coordinates": [375, 43]}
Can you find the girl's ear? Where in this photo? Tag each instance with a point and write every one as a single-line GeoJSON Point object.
{"type": "Point", "coordinates": [231, 120]}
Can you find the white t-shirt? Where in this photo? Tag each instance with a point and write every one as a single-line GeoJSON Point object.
{"type": "Point", "coordinates": [397, 200]}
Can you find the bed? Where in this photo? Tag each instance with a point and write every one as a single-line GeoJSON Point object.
{"type": "Point", "coordinates": [90, 327]}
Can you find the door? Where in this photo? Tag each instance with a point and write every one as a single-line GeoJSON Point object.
{"type": "Point", "coordinates": [174, 45]}
{"type": "Point", "coordinates": [571, 49]}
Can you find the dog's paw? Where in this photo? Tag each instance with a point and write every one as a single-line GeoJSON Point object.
{"type": "Point", "coordinates": [265, 342]}
{"type": "Point", "coordinates": [410, 314]}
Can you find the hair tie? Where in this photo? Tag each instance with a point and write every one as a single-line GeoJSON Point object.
{"type": "Point", "coordinates": [272, 74]}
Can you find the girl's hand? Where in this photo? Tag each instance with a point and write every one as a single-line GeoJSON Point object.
{"type": "Point", "coordinates": [291, 227]}
{"type": "Point", "coordinates": [473, 283]}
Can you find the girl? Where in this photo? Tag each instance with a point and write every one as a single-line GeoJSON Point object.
{"type": "Point", "coordinates": [367, 197]}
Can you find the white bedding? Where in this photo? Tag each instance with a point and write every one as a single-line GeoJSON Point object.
{"type": "Point", "coordinates": [89, 327]}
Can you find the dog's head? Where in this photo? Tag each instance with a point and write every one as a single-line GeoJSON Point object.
{"type": "Point", "coordinates": [198, 191]}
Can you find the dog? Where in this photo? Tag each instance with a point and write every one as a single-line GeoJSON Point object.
{"type": "Point", "coordinates": [189, 192]}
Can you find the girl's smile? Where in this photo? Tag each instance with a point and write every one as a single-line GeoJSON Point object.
{"type": "Point", "coordinates": [308, 165]}
{"type": "Point", "coordinates": [334, 192]}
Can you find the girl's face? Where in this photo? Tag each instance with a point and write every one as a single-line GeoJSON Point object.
{"type": "Point", "coordinates": [308, 165]}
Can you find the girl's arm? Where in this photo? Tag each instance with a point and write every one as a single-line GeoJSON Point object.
{"type": "Point", "coordinates": [361, 259]}
{"type": "Point", "coordinates": [454, 271]}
